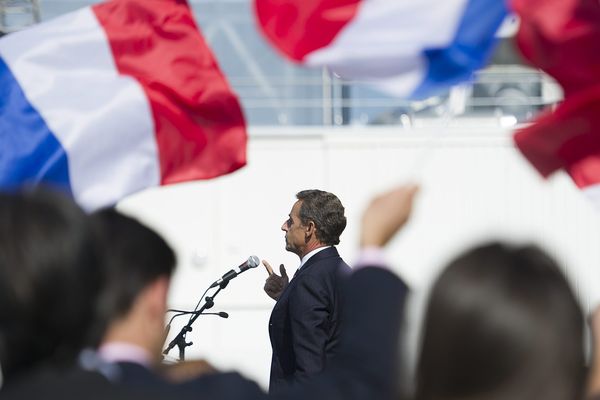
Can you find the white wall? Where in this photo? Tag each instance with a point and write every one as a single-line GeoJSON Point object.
{"type": "Point", "coordinates": [475, 186]}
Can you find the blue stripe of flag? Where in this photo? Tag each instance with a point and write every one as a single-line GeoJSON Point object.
{"type": "Point", "coordinates": [29, 151]}
{"type": "Point", "coordinates": [469, 50]}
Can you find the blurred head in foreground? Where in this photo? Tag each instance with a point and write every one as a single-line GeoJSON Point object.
{"type": "Point", "coordinates": [49, 275]}
{"type": "Point", "coordinates": [502, 323]}
{"type": "Point", "coordinates": [138, 264]}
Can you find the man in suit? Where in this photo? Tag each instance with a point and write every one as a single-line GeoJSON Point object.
{"type": "Point", "coordinates": [305, 323]}
{"type": "Point", "coordinates": [131, 309]}
{"type": "Point", "coordinates": [365, 366]}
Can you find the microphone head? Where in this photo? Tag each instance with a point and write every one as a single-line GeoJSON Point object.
{"type": "Point", "coordinates": [223, 314]}
{"type": "Point", "coordinates": [253, 262]}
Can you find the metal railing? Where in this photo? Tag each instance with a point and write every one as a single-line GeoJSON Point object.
{"type": "Point", "coordinates": [18, 14]}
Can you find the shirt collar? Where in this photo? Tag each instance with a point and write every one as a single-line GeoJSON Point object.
{"type": "Point", "coordinates": [125, 352]}
{"type": "Point", "coordinates": [312, 253]}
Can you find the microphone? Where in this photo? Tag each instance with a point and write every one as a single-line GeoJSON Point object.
{"type": "Point", "coordinates": [221, 314]}
{"type": "Point", "coordinates": [252, 262]}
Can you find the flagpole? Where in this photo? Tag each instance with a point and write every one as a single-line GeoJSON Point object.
{"type": "Point", "coordinates": [453, 106]}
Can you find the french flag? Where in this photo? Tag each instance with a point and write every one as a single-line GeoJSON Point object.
{"type": "Point", "coordinates": [114, 98]}
{"type": "Point", "coordinates": [409, 48]}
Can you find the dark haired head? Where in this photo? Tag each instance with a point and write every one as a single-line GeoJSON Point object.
{"type": "Point", "coordinates": [327, 213]}
{"type": "Point", "coordinates": [49, 276]}
{"type": "Point", "coordinates": [135, 257]}
{"type": "Point", "coordinates": [502, 323]}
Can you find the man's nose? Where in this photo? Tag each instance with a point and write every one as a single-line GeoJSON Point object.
{"type": "Point", "coordinates": [284, 227]}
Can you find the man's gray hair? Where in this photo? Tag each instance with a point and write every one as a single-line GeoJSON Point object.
{"type": "Point", "coordinates": [327, 213]}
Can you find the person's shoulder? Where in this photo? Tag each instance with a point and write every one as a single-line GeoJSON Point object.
{"type": "Point", "coordinates": [224, 386]}
{"type": "Point", "coordinates": [330, 257]}
{"type": "Point", "coordinates": [134, 374]}
{"type": "Point", "coordinates": [337, 266]}
{"type": "Point", "coordinates": [376, 276]}
{"type": "Point", "coordinates": [70, 384]}
{"type": "Point", "coordinates": [328, 268]}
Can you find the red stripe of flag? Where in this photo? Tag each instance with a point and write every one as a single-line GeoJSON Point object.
{"type": "Point", "coordinates": [199, 125]}
{"type": "Point", "coordinates": [562, 37]}
{"type": "Point", "coordinates": [299, 27]}
{"type": "Point", "coordinates": [568, 138]}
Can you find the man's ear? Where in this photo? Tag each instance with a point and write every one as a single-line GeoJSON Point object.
{"type": "Point", "coordinates": [156, 296]}
{"type": "Point", "coordinates": [309, 229]}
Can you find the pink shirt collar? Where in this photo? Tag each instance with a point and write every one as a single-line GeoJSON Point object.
{"type": "Point", "coordinates": [125, 352]}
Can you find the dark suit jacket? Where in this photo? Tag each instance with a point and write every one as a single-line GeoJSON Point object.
{"type": "Point", "coordinates": [365, 367]}
{"type": "Point", "coordinates": [305, 323]}
{"type": "Point", "coordinates": [127, 381]}
{"type": "Point", "coordinates": [72, 384]}
{"type": "Point", "coordinates": [221, 386]}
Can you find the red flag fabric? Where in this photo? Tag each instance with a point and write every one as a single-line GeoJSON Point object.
{"type": "Point", "coordinates": [562, 37]}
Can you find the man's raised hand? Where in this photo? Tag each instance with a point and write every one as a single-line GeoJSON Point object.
{"type": "Point", "coordinates": [275, 284]}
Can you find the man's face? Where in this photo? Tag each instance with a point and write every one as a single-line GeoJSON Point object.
{"type": "Point", "coordinates": [294, 231]}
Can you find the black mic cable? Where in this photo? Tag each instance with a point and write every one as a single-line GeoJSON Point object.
{"type": "Point", "coordinates": [180, 313]}
{"type": "Point", "coordinates": [221, 314]}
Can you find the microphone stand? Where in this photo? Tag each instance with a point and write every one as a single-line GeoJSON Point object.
{"type": "Point", "coordinates": [179, 340]}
